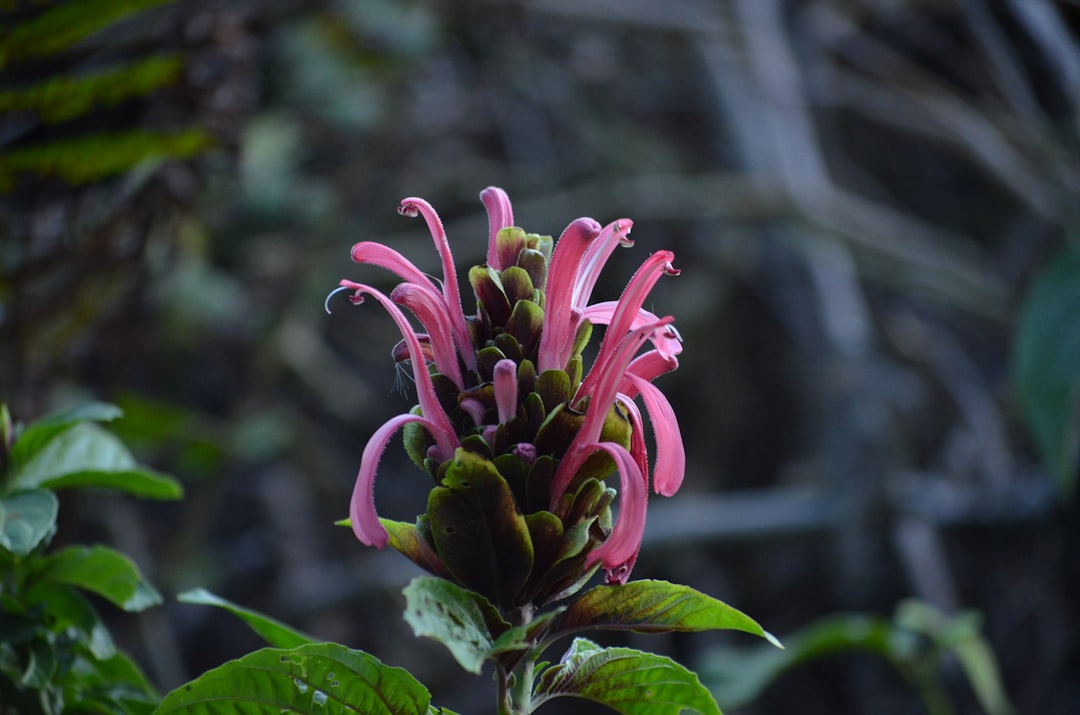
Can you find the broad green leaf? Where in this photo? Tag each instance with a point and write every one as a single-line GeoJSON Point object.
{"type": "Point", "coordinates": [28, 518]}
{"type": "Point", "coordinates": [626, 680]}
{"type": "Point", "coordinates": [1046, 367]}
{"type": "Point", "coordinates": [86, 455]}
{"type": "Point", "coordinates": [100, 570]}
{"type": "Point", "coordinates": [463, 621]}
{"type": "Point", "coordinates": [654, 607]}
{"type": "Point", "coordinates": [38, 434]}
{"type": "Point", "coordinates": [478, 531]}
{"type": "Point", "coordinates": [273, 631]}
{"type": "Point", "coordinates": [315, 678]}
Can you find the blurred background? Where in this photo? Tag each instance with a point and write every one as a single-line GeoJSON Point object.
{"type": "Point", "coordinates": [874, 207]}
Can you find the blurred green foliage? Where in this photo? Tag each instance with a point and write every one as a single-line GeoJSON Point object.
{"type": "Point", "coordinates": [917, 642]}
{"type": "Point", "coordinates": [56, 654]}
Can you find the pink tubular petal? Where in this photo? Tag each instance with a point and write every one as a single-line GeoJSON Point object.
{"type": "Point", "coordinates": [614, 234]}
{"type": "Point", "coordinates": [670, 452]}
{"type": "Point", "coordinates": [377, 254]}
{"type": "Point", "coordinates": [637, 434]}
{"type": "Point", "coordinates": [562, 275]}
{"type": "Point", "coordinates": [430, 310]}
{"type": "Point", "coordinates": [648, 366]}
{"type": "Point", "coordinates": [413, 206]}
{"type": "Point", "coordinates": [474, 408]}
{"type": "Point", "coordinates": [362, 514]}
{"type": "Point", "coordinates": [605, 390]}
{"type": "Point", "coordinates": [506, 397]}
{"type": "Point", "coordinates": [668, 342]}
{"type": "Point", "coordinates": [624, 541]}
{"type": "Point", "coordinates": [500, 215]}
{"type": "Point", "coordinates": [440, 427]}
{"type": "Point", "coordinates": [627, 310]}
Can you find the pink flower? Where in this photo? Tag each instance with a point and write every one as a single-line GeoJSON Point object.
{"type": "Point", "coordinates": [525, 406]}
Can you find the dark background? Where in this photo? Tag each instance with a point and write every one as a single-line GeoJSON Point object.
{"type": "Point", "coordinates": [859, 195]}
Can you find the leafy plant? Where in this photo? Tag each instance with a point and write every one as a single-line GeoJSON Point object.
{"type": "Point", "coordinates": [56, 655]}
{"type": "Point", "coordinates": [915, 642]}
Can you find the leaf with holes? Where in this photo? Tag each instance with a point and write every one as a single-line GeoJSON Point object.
{"type": "Point", "coordinates": [626, 680]}
{"type": "Point", "coordinates": [316, 678]}
{"type": "Point", "coordinates": [463, 621]}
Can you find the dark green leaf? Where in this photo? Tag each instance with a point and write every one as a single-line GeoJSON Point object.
{"type": "Point", "coordinates": [28, 517]}
{"type": "Point", "coordinates": [40, 665]}
{"type": "Point", "coordinates": [463, 621]}
{"type": "Point", "coordinates": [1046, 369]}
{"type": "Point", "coordinates": [654, 607]}
{"type": "Point", "coordinates": [626, 680]}
{"type": "Point", "coordinates": [477, 529]}
{"type": "Point", "coordinates": [100, 570]}
{"type": "Point", "coordinates": [316, 678]}
{"type": "Point", "coordinates": [273, 631]}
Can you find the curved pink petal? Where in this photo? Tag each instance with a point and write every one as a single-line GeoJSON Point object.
{"type": "Point", "coordinates": [362, 514]}
{"type": "Point", "coordinates": [429, 308]}
{"type": "Point", "coordinates": [506, 389]}
{"type": "Point", "coordinates": [668, 342]}
{"type": "Point", "coordinates": [562, 274]}
{"type": "Point", "coordinates": [670, 452]}
{"type": "Point", "coordinates": [627, 310]}
{"type": "Point", "coordinates": [441, 429]}
{"type": "Point", "coordinates": [500, 215]}
{"type": "Point", "coordinates": [596, 256]}
{"type": "Point", "coordinates": [622, 544]}
{"type": "Point", "coordinates": [605, 389]}
{"type": "Point", "coordinates": [638, 450]}
{"type": "Point", "coordinates": [648, 366]}
{"type": "Point", "coordinates": [413, 206]}
{"type": "Point", "coordinates": [377, 254]}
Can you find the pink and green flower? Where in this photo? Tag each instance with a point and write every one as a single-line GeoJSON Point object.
{"type": "Point", "coordinates": [520, 440]}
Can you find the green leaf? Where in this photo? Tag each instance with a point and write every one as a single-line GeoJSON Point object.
{"type": "Point", "coordinates": [100, 570]}
{"type": "Point", "coordinates": [273, 631]}
{"type": "Point", "coordinates": [41, 664]}
{"type": "Point", "coordinates": [463, 621]}
{"type": "Point", "coordinates": [1046, 366]}
{"type": "Point", "coordinates": [87, 455]}
{"type": "Point", "coordinates": [738, 676]}
{"type": "Point", "coordinates": [61, 98]}
{"type": "Point", "coordinates": [478, 531]}
{"type": "Point", "coordinates": [40, 433]}
{"type": "Point", "coordinates": [57, 28]}
{"type": "Point", "coordinates": [626, 680]}
{"type": "Point", "coordinates": [136, 482]}
{"type": "Point", "coordinates": [316, 678]}
{"type": "Point", "coordinates": [28, 518]}
{"type": "Point", "coordinates": [654, 607]}
{"type": "Point", "coordinates": [87, 158]}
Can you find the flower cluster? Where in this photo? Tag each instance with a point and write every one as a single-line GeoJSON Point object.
{"type": "Point", "coordinates": [518, 438]}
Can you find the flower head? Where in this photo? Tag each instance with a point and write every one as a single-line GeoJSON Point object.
{"type": "Point", "coordinates": [518, 437]}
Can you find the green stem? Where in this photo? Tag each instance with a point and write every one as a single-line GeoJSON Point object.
{"type": "Point", "coordinates": [521, 689]}
{"type": "Point", "coordinates": [506, 706]}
